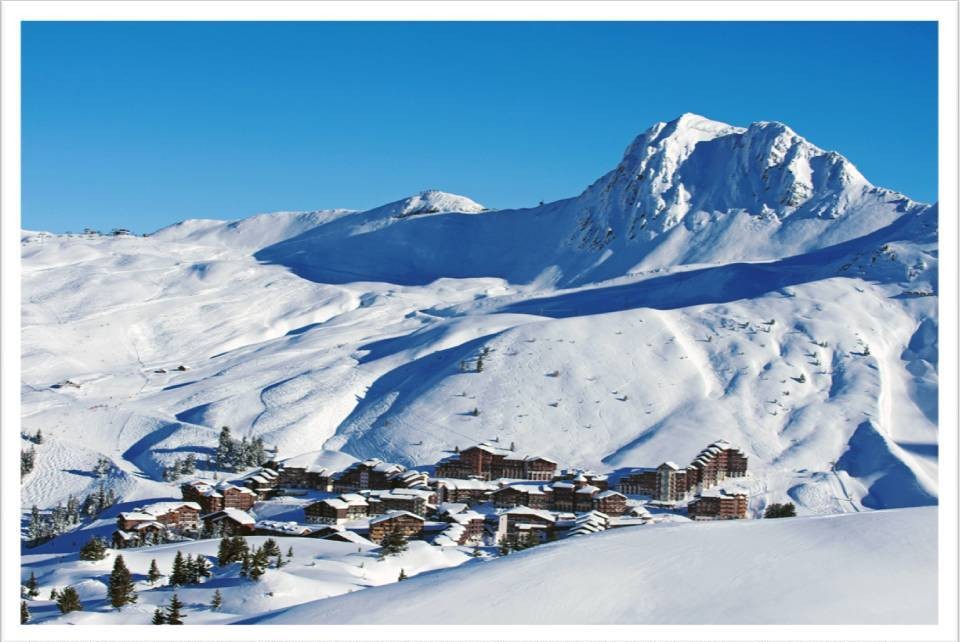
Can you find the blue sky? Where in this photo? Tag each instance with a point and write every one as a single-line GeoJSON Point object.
{"type": "Point", "coordinates": [140, 125]}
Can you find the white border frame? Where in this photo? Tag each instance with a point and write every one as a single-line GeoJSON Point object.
{"type": "Point", "coordinates": [13, 13]}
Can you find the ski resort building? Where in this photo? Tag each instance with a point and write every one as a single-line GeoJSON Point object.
{"type": "Point", "coordinates": [403, 522]}
{"type": "Point", "coordinates": [372, 474]}
{"type": "Point", "coordinates": [518, 523]}
{"type": "Point", "coordinates": [586, 476]}
{"type": "Point", "coordinates": [718, 504]}
{"type": "Point", "coordinates": [469, 491]}
{"type": "Point", "coordinates": [213, 496]}
{"type": "Point", "coordinates": [262, 481]}
{"type": "Point", "coordinates": [486, 461]}
{"type": "Point", "coordinates": [177, 515]}
{"type": "Point", "coordinates": [229, 521]}
{"type": "Point", "coordinates": [670, 483]}
{"type": "Point", "coordinates": [346, 508]}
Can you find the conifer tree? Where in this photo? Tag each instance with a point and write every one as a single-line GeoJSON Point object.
{"type": "Point", "coordinates": [178, 574]}
{"type": "Point", "coordinates": [173, 611]}
{"type": "Point", "coordinates": [270, 548]}
{"type": "Point", "coordinates": [393, 544]}
{"type": "Point", "coordinates": [31, 585]}
{"type": "Point", "coordinates": [290, 552]}
{"type": "Point", "coordinates": [93, 550]}
{"type": "Point", "coordinates": [54, 594]}
{"type": "Point", "coordinates": [217, 601]}
{"type": "Point", "coordinates": [120, 589]}
{"type": "Point", "coordinates": [154, 573]}
{"type": "Point", "coordinates": [403, 575]}
{"type": "Point", "coordinates": [69, 600]}
{"type": "Point", "coordinates": [24, 613]}
{"type": "Point", "coordinates": [158, 617]}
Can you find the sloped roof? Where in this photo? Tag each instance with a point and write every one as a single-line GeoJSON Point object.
{"type": "Point", "coordinates": [392, 515]}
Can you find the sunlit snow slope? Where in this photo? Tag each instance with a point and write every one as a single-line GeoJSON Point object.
{"type": "Point", "coordinates": [876, 568]}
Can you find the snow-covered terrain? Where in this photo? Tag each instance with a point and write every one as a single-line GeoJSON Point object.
{"type": "Point", "coordinates": [720, 282]}
{"type": "Point", "coordinates": [872, 568]}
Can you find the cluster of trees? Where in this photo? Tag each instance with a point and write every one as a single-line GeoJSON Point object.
{"type": "Point", "coordinates": [27, 460]}
{"type": "Point", "coordinates": [29, 457]}
{"type": "Point", "coordinates": [235, 455]}
{"type": "Point", "coordinates": [253, 562]}
{"type": "Point", "coordinates": [44, 527]}
{"type": "Point", "coordinates": [94, 550]}
{"type": "Point", "coordinates": [188, 570]}
{"type": "Point", "coordinates": [523, 542]}
{"type": "Point", "coordinates": [780, 510]}
{"type": "Point", "coordinates": [184, 466]}
{"type": "Point", "coordinates": [171, 613]}
{"type": "Point", "coordinates": [478, 364]}
{"type": "Point", "coordinates": [393, 544]}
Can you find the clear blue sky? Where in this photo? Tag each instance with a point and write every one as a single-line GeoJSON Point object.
{"type": "Point", "coordinates": [143, 124]}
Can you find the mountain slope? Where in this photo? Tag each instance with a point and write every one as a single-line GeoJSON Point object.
{"type": "Point", "coordinates": [815, 350]}
{"type": "Point", "coordinates": [877, 568]}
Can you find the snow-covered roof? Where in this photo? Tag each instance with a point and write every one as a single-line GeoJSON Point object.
{"type": "Point", "coordinates": [587, 490]}
{"type": "Point", "coordinates": [162, 508]}
{"type": "Point", "coordinates": [467, 484]}
{"type": "Point", "coordinates": [143, 525]}
{"type": "Point", "coordinates": [350, 536]}
{"type": "Point", "coordinates": [466, 517]}
{"type": "Point", "coordinates": [526, 510]}
{"type": "Point", "coordinates": [127, 535]}
{"type": "Point", "coordinates": [562, 484]}
{"type": "Point", "coordinates": [610, 493]}
{"type": "Point", "coordinates": [136, 516]}
{"type": "Point", "coordinates": [451, 508]}
{"type": "Point", "coordinates": [393, 514]}
{"type": "Point", "coordinates": [235, 514]}
{"type": "Point", "coordinates": [721, 492]}
{"type": "Point", "coordinates": [334, 502]}
{"type": "Point", "coordinates": [353, 499]}
{"type": "Point", "coordinates": [283, 527]}
{"type": "Point", "coordinates": [670, 464]}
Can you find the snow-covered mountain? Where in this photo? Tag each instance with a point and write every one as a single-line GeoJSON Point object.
{"type": "Point", "coordinates": [720, 282]}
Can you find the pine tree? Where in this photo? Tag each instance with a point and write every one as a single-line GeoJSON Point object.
{"type": "Point", "coordinates": [154, 573]}
{"type": "Point", "coordinates": [120, 589]}
{"type": "Point", "coordinates": [69, 600]}
{"type": "Point", "coordinates": [54, 594]}
{"type": "Point", "coordinates": [35, 528]}
{"type": "Point", "coordinates": [94, 550]}
{"type": "Point", "coordinates": [173, 611]}
{"type": "Point", "coordinates": [24, 613]}
{"type": "Point", "coordinates": [32, 590]}
{"type": "Point", "coordinates": [245, 564]}
{"type": "Point", "coordinates": [270, 547]}
{"type": "Point", "coordinates": [178, 574]}
{"type": "Point", "coordinates": [290, 552]}
{"type": "Point", "coordinates": [158, 617]}
{"type": "Point", "coordinates": [202, 567]}
{"type": "Point", "coordinates": [217, 601]}
{"type": "Point", "coordinates": [393, 544]}
{"type": "Point", "coordinates": [258, 564]}
{"type": "Point", "coordinates": [38, 438]}
{"type": "Point", "coordinates": [225, 449]}
{"type": "Point", "coordinates": [403, 575]}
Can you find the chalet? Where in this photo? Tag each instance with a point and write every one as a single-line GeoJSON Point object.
{"type": "Point", "coordinates": [415, 500]}
{"type": "Point", "coordinates": [372, 474]}
{"type": "Point", "coordinates": [715, 463]}
{"type": "Point", "coordinates": [583, 498]}
{"type": "Point", "coordinates": [522, 495]}
{"type": "Point", "coordinates": [521, 521]}
{"type": "Point", "coordinates": [129, 520]}
{"type": "Point", "coordinates": [229, 521]}
{"type": "Point", "coordinates": [486, 461]}
{"type": "Point", "coordinates": [585, 476]}
{"type": "Point", "coordinates": [589, 523]}
{"type": "Point", "coordinates": [262, 481]}
{"type": "Point", "coordinates": [341, 534]}
{"type": "Point", "coordinates": [410, 479]}
{"type": "Point", "coordinates": [139, 534]}
{"type": "Point", "coordinates": [346, 508]}
{"type": "Point", "coordinates": [213, 496]}
{"type": "Point", "coordinates": [403, 522]}
{"type": "Point", "coordinates": [312, 477]}
{"type": "Point", "coordinates": [469, 491]}
{"type": "Point", "coordinates": [639, 481]}
{"type": "Point", "coordinates": [184, 516]}
{"type": "Point", "coordinates": [718, 504]}
{"type": "Point", "coordinates": [610, 502]}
